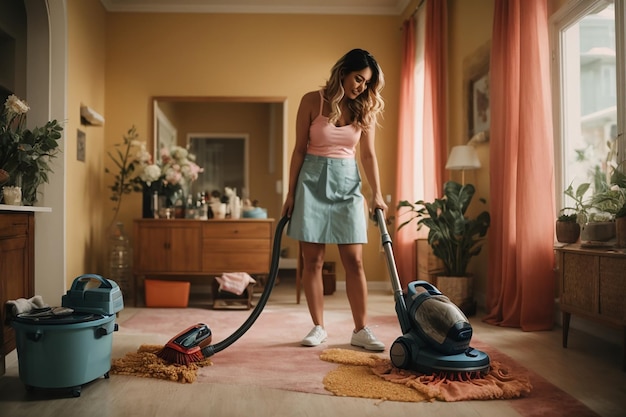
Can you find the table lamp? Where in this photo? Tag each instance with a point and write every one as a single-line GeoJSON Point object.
{"type": "Point", "coordinates": [463, 157]}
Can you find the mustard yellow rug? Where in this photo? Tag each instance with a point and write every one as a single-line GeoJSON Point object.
{"type": "Point", "coordinates": [368, 375]}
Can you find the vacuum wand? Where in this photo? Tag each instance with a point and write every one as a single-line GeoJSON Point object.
{"type": "Point", "coordinates": [401, 309]}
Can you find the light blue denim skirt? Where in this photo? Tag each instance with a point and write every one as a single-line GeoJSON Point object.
{"type": "Point", "coordinates": [329, 206]}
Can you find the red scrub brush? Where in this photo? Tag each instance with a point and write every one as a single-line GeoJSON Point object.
{"type": "Point", "coordinates": [185, 347]}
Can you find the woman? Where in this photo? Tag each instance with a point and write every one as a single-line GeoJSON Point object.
{"type": "Point", "coordinates": [324, 200]}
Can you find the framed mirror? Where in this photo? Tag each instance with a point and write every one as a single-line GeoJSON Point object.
{"type": "Point", "coordinates": [239, 142]}
{"type": "Point", "coordinates": [225, 162]}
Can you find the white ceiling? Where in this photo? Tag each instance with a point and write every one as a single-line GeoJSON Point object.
{"type": "Point", "coordinates": [358, 7]}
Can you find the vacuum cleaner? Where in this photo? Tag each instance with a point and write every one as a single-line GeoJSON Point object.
{"type": "Point", "coordinates": [436, 334]}
{"type": "Point", "coordinates": [192, 344]}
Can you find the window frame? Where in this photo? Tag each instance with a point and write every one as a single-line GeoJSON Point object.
{"type": "Point", "coordinates": [561, 20]}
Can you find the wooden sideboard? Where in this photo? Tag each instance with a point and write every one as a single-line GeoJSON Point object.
{"type": "Point", "coordinates": [593, 285]}
{"type": "Point", "coordinates": [17, 271]}
{"type": "Point", "coordinates": [201, 248]}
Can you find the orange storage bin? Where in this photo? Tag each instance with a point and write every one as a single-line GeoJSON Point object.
{"type": "Point", "coordinates": [167, 293]}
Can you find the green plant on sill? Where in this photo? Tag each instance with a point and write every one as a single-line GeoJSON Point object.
{"type": "Point", "coordinates": [568, 218]}
{"type": "Point", "coordinates": [621, 212]}
{"type": "Point", "coordinates": [453, 237]}
{"type": "Point", "coordinates": [581, 207]}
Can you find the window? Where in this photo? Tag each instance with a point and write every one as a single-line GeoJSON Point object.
{"type": "Point", "coordinates": [588, 86]}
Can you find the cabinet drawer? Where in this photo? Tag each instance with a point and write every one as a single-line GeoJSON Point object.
{"type": "Point", "coordinates": [613, 288]}
{"type": "Point", "coordinates": [236, 230]}
{"type": "Point", "coordinates": [241, 247]}
{"type": "Point", "coordinates": [252, 263]}
{"type": "Point", "coordinates": [13, 225]}
{"type": "Point", "coordinates": [236, 255]}
{"type": "Point", "coordinates": [579, 284]}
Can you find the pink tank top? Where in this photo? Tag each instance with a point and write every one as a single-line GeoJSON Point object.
{"type": "Point", "coordinates": [326, 139]}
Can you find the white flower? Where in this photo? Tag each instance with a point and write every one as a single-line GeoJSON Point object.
{"type": "Point", "coordinates": [15, 105]}
{"type": "Point", "coordinates": [150, 174]}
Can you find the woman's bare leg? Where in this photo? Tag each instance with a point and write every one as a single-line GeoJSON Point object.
{"type": "Point", "coordinates": [312, 263]}
{"type": "Point", "coordinates": [356, 284]}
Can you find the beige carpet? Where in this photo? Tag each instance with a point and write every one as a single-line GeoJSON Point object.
{"type": "Point", "coordinates": [270, 355]}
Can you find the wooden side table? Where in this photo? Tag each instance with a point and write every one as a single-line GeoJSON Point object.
{"type": "Point", "coordinates": [593, 285]}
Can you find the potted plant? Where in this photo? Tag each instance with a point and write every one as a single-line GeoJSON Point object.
{"type": "Point", "coordinates": [596, 214]}
{"type": "Point", "coordinates": [25, 154]}
{"type": "Point", "coordinates": [567, 228]}
{"type": "Point", "coordinates": [453, 236]}
{"type": "Point", "coordinates": [581, 206]}
{"type": "Point", "coordinates": [620, 227]}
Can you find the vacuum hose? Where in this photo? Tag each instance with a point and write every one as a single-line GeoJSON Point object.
{"type": "Point", "coordinates": [210, 350]}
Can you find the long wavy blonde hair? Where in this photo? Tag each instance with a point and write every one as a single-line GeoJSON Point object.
{"type": "Point", "coordinates": [369, 104]}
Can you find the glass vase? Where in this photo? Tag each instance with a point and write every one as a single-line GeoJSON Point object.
{"type": "Point", "coordinates": [120, 261]}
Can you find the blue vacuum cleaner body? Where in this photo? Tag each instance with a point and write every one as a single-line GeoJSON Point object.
{"type": "Point", "coordinates": [436, 334]}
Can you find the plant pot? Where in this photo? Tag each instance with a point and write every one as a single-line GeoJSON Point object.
{"type": "Point", "coordinates": [460, 290]}
{"type": "Point", "coordinates": [597, 231]}
{"type": "Point", "coordinates": [567, 232]}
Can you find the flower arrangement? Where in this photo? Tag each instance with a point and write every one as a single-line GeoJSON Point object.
{"type": "Point", "coordinates": [137, 172]}
{"type": "Point", "coordinates": [25, 154]}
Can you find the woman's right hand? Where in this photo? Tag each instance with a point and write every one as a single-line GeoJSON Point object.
{"type": "Point", "coordinates": [288, 206]}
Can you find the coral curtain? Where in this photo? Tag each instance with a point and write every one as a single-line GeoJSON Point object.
{"type": "Point", "coordinates": [421, 156]}
{"type": "Point", "coordinates": [521, 285]}
{"type": "Point", "coordinates": [408, 171]}
{"type": "Point", "coordinates": [435, 106]}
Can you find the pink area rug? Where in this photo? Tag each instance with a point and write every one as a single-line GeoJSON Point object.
{"type": "Point", "coordinates": [270, 355]}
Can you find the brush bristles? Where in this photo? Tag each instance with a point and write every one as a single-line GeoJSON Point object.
{"type": "Point", "coordinates": [174, 356]}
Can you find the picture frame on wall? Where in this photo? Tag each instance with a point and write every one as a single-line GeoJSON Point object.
{"type": "Point", "coordinates": [479, 117]}
{"type": "Point", "coordinates": [476, 92]}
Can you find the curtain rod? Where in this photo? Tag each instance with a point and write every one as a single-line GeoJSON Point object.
{"type": "Point", "coordinates": [417, 8]}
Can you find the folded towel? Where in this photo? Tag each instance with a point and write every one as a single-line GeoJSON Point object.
{"type": "Point", "coordinates": [235, 282]}
{"type": "Point", "coordinates": [23, 305]}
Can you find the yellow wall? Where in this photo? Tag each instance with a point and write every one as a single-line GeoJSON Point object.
{"type": "Point", "coordinates": [119, 61]}
{"type": "Point", "coordinates": [86, 75]}
{"type": "Point", "coordinates": [155, 54]}
{"type": "Point", "coordinates": [469, 30]}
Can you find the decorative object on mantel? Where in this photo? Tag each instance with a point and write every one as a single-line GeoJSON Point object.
{"type": "Point", "coordinates": [25, 154]}
{"type": "Point", "coordinates": [12, 195]}
{"type": "Point", "coordinates": [168, 178]}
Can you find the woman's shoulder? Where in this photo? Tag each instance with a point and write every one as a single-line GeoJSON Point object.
{"type": "Point", "coordinates": [311, 101]}
{"type": "Point", "coordinates": [312, 97]}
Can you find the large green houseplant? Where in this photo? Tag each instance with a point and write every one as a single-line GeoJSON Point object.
{"type": "Point", "coordinates": [453, 237]}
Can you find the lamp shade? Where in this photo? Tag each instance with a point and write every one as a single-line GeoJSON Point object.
{"type": "Point", "coordinates": [463, 157]}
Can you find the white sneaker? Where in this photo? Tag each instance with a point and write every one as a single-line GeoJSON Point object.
{"type": "Point", "coordinates": [316, 336]}
{"type": "Point", "coordinates": [365, 338]}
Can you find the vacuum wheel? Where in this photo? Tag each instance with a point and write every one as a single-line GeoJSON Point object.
{"type": "Point", "coordinates": [400, 353]}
